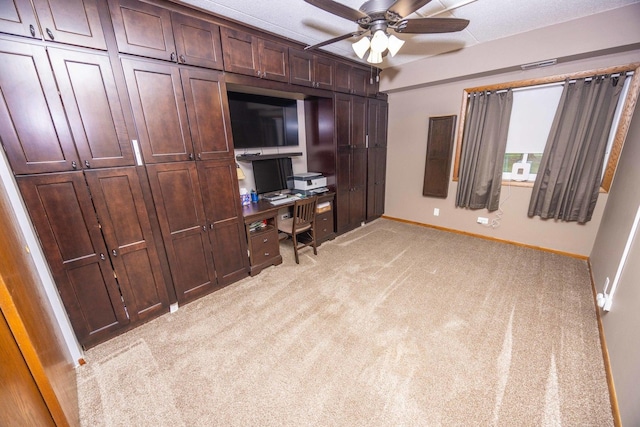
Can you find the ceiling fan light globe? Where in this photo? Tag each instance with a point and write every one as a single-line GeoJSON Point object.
{"type": "Point", "coordinates": [374, 57]}
{"type": "Point", "coordinates": [361, 46]}
{"type": "Point", "coordinates": [379, 41]}
{"type": "Point", "coordinates": [394, 44]}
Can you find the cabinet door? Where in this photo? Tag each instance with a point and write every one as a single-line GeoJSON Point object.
{"type": "Point", "coordinates": [376, 171]}
{"type": "Point", "coordinates": [343, 77]}
{"type": "Point", "coordinates": [159, 110]}
{"type": "Point", "coordinates": [62, 212]}
{"type": "Point", "coordinates": [360, 81]}
{"type": "Point", "coordinates": [208, 111]}
{"type": "Point", "coordinates": [343, 190]}
{"type": "Point", "coordinates": [274, 60]}
{"type": "Point", "coordinates": [240, 52]}
{"type": "Point", "coordinates": [358, 119]}
{"type": "Point", "coordinates": [343, 120]}
{"type": "Point", "coordinates": [143, 29]}
{"type": "Point", "coordinates": [176, 193]}
{"type": "Point", "coordinates": [197, 41]}
{"type": "Point", "coordinates": [301, 68]}
{"type": "Point", "coordinates": [29, 90]}
{"type": "Point", "coordinates": [71, 21]}
{"type": "Point", "coordinates": [118, 199]}
{"type": "Point", "coordinates": [324, 72]}
{"type": "Point", "coordinates": [95, 106]}
{"type": "Point", "coordinates": [17, 17]}
{"type": "Point", "coordinates": [358, 196]}
{"type": "Point", "coordinates": [224, 216]}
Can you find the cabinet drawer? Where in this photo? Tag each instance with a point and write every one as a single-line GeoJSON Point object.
{"type": "Point", "coordinates": [324, 225]}
{"type": "Point", "coordinates": [264, 246]}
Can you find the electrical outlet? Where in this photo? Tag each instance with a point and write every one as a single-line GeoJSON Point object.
{"type": "Point", "coordinates": [285, 215]}
{"type": "Point", "coordinates": [436, 212]}
{"type": "Point", "coordinates": [483, 220]}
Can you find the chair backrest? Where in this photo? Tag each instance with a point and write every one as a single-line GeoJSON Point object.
{"type": "Point", "coordinates": [304, 212]}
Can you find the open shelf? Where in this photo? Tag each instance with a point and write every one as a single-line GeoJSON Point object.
{"type": "Point", "coordinates": [252, 157]}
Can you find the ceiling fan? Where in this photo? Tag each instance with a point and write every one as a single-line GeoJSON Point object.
{"type": "Point", "coordinates": [377, 17]}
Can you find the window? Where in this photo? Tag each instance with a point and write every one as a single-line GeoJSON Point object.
{"type": "Point", "coordinates": [534, 107]}
{"type": "Point", "coordinates": [532, 115]}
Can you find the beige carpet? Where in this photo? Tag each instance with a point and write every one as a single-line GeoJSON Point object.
{"type": "Point", "coordinates": [390, 325]}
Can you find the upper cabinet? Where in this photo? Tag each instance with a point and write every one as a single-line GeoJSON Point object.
{"type": "Point", "coordinates": [181, 113]}
{"type": "Point", "coordinates": [352, 79]}
{"type": "Point", "coordinates": [147, 30]}
{"type": "Point", "coordinates": [311, 70]}
{"type": "Point", "coordinates": [29, 90]}
{"type": "Point", "coordinates": [92, 126]}
{"type": "Point", "coordinates": [254, 56]}
{"type": "Point", "coordinates": [66, 21]}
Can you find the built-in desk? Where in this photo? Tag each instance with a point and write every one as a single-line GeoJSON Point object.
{"type": "Point", "coordinates": [263, 243]}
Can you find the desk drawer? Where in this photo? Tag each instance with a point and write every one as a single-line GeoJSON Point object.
{"type": "Point", "coordinates": [324, 225]}
{"type": "Point", "coordinates": [264, 246]}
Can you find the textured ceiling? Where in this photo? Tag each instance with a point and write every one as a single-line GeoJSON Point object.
{"type": "Point", "coordinates": [490, 20]}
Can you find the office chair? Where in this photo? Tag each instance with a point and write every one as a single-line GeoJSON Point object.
{"type": "Point", "coordinates": [303, 220]}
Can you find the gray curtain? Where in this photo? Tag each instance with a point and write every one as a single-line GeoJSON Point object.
{"type": "Point", "coordinates": [483, 147]}
{"type": "Point", "coordinates": [570, 171]}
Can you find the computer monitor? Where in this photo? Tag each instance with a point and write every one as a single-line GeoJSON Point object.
{"type": "Point", "coordinates": [272, 175]}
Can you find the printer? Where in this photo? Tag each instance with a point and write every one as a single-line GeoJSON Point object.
{"type": "Point", "coordinates": [309, 183]}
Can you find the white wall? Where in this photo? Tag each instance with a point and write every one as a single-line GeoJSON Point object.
{"type": "Point", "coordinates": [621, 323]}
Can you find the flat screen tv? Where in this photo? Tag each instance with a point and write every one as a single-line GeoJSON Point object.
{"type": "Point", "coordinates": [262, 121]}
{"type": "Point", "coordinates": [272, 175]}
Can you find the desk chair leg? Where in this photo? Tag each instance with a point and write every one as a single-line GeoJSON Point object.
{"type": "Point", "coordinates": [295, 247]}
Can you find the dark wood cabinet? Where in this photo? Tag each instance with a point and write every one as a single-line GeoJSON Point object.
{"type": "Point", "coordinates": [97, 108]}
{"type": "Point", "coordinates": [351, 169]}
{"type": "Point", "coordinates": [376, 157]}
{"type": "Point", "coordinates": [71, 21]}
{"type": "Point", "coordinates": [159, 110]}
{"type": "Point", "coordinates": [155, 32]}
{"type": "Point", "coordinates": [99, 244]}
{"type": "Point", "coordinates": [208, 111]}
{"type": "Point", "coordinates": [29, 90]}
{"type": "Point", "coordinates": [197, 41]}
{"type": "Point", "coordinates": [181, 113]}
{"type": "Point", "coordinates": [219, 186]}
{"type": "Point", "coordinates": [65, 21]}
{"type": "Point", "coordinates": [62, 212]}
{"type": "Point", "coordinates": [247, 54]}
{"type": "Point", "coordinates": [439, 151]}
{"type": "Point", "coordinates": [352, 79]}
{"type": "Point", "coordinates": [307, 69]}
{"type": "Point", "coordinates": [126, 227]}
{"type": "Point", "coordinates": [179, 205]}
{"type": "Point", "coordinates": [18, 17]}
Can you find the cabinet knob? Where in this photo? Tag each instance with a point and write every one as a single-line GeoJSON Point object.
{"type": "Point", "coordinates": [74, 165]}
{"type": "Point", "coordinates": [32, 30]}
{"type": "Point", "coordinates": [102, 257]}
{"type": "Point", "coordinates": [87, 164]}
{"type": "Point", "coordinates": [204, 228]}
{"type": "Point", "coordinates": [50, 34]}
{"type": "Point", "coordinates": [265, 240]}
{"type": "Point", "coordinates": [183, 59]}
{"type": "Point", "coordinates": [211, 226]}
{"type": "Point", "coordinates": [266, 254]}
{"type": "Point", "coordinates": [190, 156]}
{"type": "Point", "coordinates": [173, 57]}
{"type": "Point", "coordinates": [114, 252]}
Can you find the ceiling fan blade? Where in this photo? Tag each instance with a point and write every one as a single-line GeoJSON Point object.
{"type": "Point", "coordinates": [336, 39]}
{"type": "Point", "coordinates": [407, 7]}
{"type": "Point", "coordinates": [338, 9]}
{"type": "Point", "coordinates": [431, 25]}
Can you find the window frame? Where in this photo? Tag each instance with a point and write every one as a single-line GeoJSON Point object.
{"type": "Point", "coordinates": [621, 132]}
